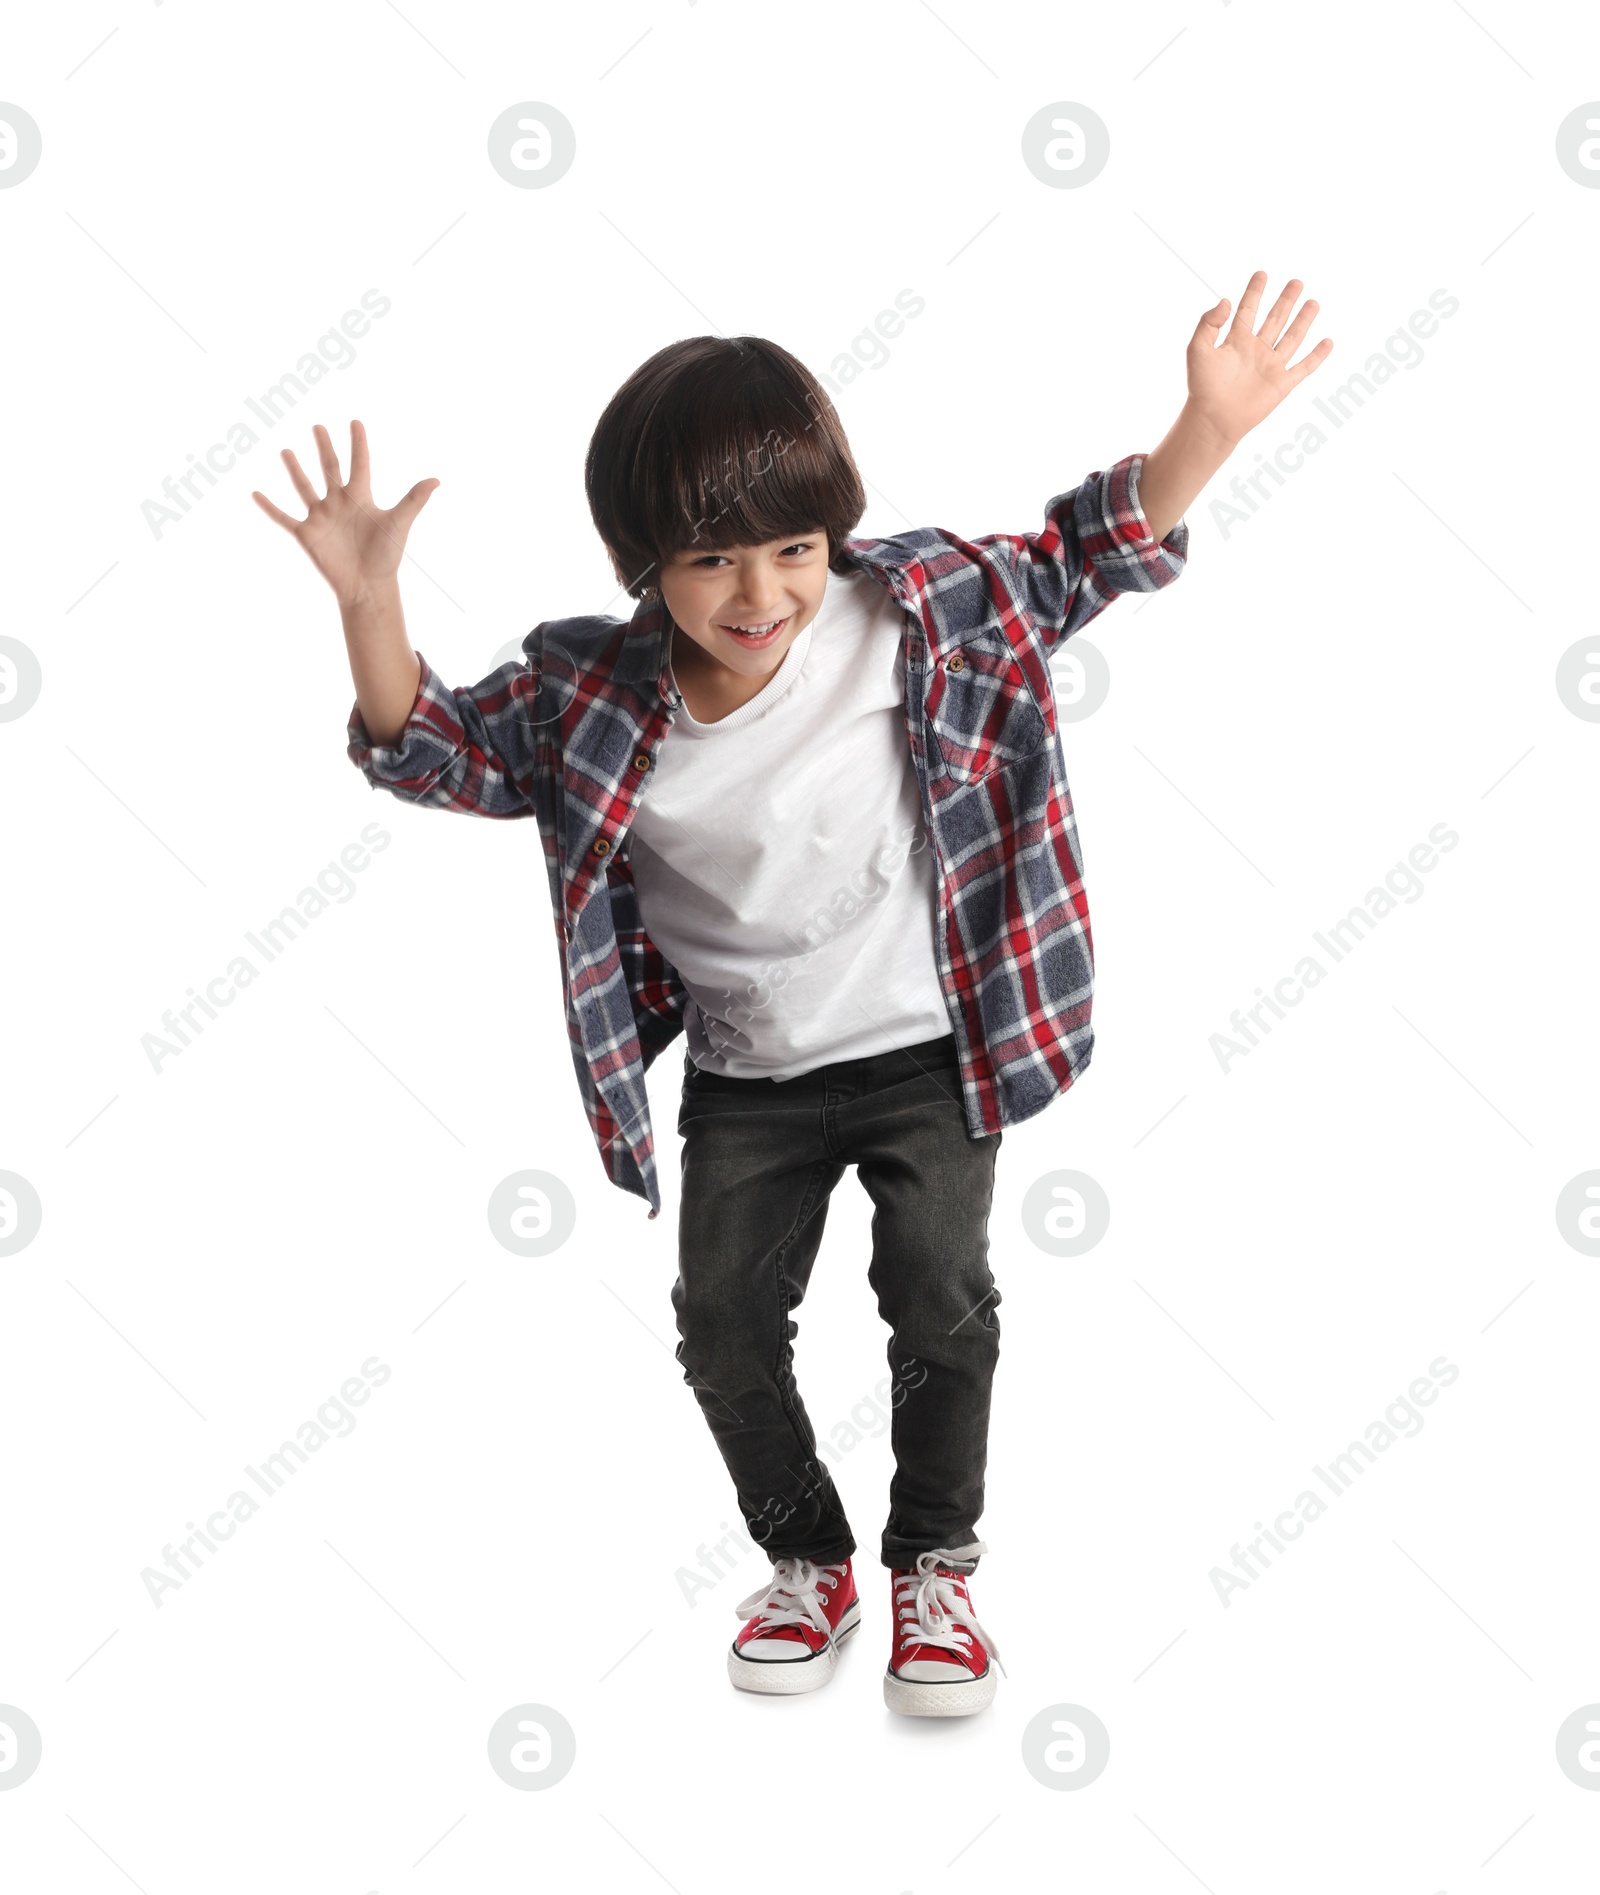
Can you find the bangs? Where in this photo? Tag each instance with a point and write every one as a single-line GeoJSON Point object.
{"type": "Point", "coordinates": [740, 483]}
{"type": "Point", "coordinates": [713, 443]}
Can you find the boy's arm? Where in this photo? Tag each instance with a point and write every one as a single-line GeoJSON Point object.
{"type": "Point", "coordinates": [482, 749]}
{"type": "Point", "coordinates": [1096, 543]}
{"type": "Point", "coordinates": [383, 666]}
{"type": "Point", "coordinates": [1123, 530]}
{"type": "Point", "coordinates": [1232, 389]}
{"type": "Point", "coordinates": [1172, 475]}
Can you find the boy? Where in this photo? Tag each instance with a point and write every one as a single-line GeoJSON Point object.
{"type": "Point", "coordinates": [851, 879]}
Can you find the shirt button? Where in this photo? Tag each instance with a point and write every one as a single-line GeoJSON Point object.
{"type": "Point", "coordinates": [602, 847]}
{"type": "Point", "coordinates": [957, 663]}
{"type": "Point", "coordinates": [641, 762]}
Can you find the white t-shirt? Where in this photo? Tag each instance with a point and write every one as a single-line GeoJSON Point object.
{"type": "Point", "coordinates": [781, 860]}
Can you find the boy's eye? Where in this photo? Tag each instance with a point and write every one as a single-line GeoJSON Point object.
{"type": "Point", "coordinates": [799, 546]}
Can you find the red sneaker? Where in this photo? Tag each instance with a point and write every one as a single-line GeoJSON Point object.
{"type": "Point", "coordinates": [796, 1625]}
{"type": "Point", "coordinates": [939, 1660]}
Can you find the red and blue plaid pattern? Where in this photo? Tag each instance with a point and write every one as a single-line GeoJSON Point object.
{"type": "Point", "coordinates": [570, 736]}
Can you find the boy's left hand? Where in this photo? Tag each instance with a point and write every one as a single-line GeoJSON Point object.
{"type": "Point", "coordinates": [1235, 386]}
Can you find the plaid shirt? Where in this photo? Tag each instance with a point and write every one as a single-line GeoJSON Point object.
{"type": "Point", "coordinates": [570, 737]}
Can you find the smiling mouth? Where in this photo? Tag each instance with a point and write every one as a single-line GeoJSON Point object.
{"type": "Point", "coordinates": [755, 634]}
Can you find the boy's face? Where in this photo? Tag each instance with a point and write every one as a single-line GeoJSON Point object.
{"type": "Point", "coordinates": [714, 596]}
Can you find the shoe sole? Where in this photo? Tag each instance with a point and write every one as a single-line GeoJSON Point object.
{"type": "Point", "coordinates": [911, 1699]}
{"type": "Point", "coordinates": [788, 1677]}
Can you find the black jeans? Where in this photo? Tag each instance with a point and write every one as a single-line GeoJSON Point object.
{"type": "Point", "coordinates": [760, 1159]}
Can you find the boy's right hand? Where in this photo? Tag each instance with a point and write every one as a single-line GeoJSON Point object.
{"type": "Point", "coordinates": [355, 545]}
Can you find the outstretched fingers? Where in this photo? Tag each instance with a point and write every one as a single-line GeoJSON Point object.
{"type": "Point", "coordinates": [406, 509]}
{"type": "Point", "coordinates": [297, 474]}
{"type": "Point", "coordinates": [1272, 328]}
{"type": "Point", "coordinates": [277, 513]}
{"type": "Point", "coordinates": [360, 462]}
{"type": "Point", "coordinates": [1296, 332]}
{"type": "Point", "coordinates": [328, 458]}
{"type": "Point", "coordinates": [1210, 324]}
{"type": "Point", "coordinates": [1249, 303]}
{"type": "Point", "coordinates": [1314, 360]}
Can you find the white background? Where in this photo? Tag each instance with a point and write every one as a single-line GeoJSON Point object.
{"type": "Point", "coordinates": [226, 1241]}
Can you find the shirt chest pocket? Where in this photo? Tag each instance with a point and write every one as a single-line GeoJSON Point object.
{"type": "Point", "coordinates": [980, 710]}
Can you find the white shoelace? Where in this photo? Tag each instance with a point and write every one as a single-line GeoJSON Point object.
{"type": "Point", "coordinates": [793, 1596]}
{"type": "Point", "coordinates": [930, 1611]}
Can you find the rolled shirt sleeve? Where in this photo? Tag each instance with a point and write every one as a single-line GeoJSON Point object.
{"type": "Point", "coordinates": [480, 749]}
{"type": "Point", "coordinates": [1096, 543]}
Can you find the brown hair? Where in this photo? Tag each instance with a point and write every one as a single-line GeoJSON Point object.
{"type": "Point", "coordinates": [717, 441]}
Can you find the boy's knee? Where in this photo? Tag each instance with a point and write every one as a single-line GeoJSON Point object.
{"type": "Point", "coordinates": [941, 1324]}
{"type": "Point", "coordinates": [714, 1357]}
